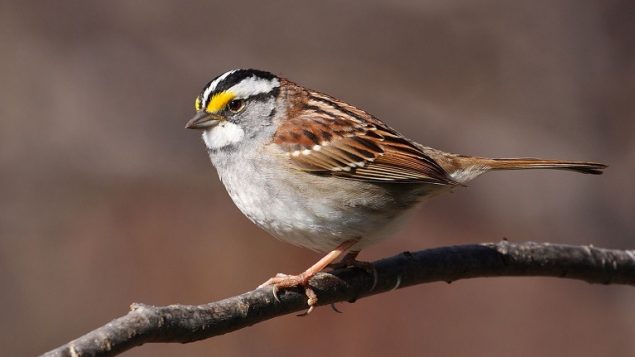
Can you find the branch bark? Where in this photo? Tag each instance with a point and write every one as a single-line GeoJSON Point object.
{"type": "Point", "coordinates": [186, 323]}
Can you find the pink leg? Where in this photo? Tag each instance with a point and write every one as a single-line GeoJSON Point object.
{"type": "Point", "coordinates": [281, 281]}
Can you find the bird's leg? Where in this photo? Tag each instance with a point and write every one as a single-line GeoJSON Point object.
{"type": "Point", "coordinates": [350, 259]}
{"type": "Point", "coordinates": [282, 281]}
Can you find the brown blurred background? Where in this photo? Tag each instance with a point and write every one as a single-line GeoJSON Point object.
{"type": "Point", "coordinates": [106, 200]}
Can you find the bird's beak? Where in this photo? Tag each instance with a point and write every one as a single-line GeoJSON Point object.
{"type": "Point", "coordinates": [203, 120]}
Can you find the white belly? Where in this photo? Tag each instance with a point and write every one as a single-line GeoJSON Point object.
{"type": "Point", "coordinates": [313, 211]}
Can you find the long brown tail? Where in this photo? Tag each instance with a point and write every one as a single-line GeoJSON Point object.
{"type": "Point", "coordinates": [584, 167]}
{"type": "Point", "coordinates": [463, 168]}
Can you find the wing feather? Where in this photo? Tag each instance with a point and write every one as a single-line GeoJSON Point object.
{"type": "Point", "coordinates": [329, 137]}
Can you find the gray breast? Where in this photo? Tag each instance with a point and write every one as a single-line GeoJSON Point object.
{"type": "Point", "coordinates": [316, 212]}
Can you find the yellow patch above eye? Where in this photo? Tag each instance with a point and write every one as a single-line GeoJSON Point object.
{"type": "Point", "coordinates": [219, 101]}
{"type": "Point", "coordinates": [197, 104]}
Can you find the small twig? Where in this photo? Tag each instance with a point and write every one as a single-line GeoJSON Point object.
{"type": "Point", "coordinates": [184, 323]}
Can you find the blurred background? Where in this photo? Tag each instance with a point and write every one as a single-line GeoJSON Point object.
{"type": "Point", "coordinates": [106, 200]}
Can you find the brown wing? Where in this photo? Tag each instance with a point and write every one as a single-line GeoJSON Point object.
{"type": "Point", "coordinates": [328, 137]}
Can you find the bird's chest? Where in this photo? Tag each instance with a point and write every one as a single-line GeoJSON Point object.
{"type": "Point", "coordinates": [311, 211]}
{"type": "Point", "coordinates": [299, 209]}
{"type": "Point", "coordinates": [264, 194]}
{"type": "Point", "coordinates": [275, 203]}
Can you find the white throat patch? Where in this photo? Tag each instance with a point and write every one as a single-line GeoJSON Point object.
{"type": "Point", "coordinates": [223, 134]}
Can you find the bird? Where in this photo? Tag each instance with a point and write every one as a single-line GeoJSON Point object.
{"type": "Point", "coordinates": [320, 173]}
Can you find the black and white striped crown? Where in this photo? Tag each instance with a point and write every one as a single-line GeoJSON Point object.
{"type": "Point", "coordinates": [237, 84]}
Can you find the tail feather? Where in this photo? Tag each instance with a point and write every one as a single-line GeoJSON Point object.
{"type": "Point", "coordinates": [584, 167]}
{"type": "Point", "coordinates": [466, 168]}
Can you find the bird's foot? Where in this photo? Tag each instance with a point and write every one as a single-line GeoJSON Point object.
{"type": "Point", "coordinates": [284, 281]}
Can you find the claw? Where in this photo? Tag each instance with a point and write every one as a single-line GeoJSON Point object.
{"type": "Point", "coordinates": [397, 284]}
{"type": "Point", "coordinates": [306, 313]}
{"type": "Point", "coordinates": [375, 279]}
{"type": "Point", "coordinates": [275, 293]}
{"type": "Point", "coordinates": [290, 281]}
{"type": "Point", "coordinates": [335, 308]}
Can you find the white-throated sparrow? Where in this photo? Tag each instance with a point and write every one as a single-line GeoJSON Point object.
{"type": "Point", "coordinates": [320, 173]}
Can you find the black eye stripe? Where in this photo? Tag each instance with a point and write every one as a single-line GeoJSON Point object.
{"type": "Point", "coordinates": [261, 97]}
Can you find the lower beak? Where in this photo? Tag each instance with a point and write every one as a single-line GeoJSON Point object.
{"type": "Point", "coordinates": [203, 120]}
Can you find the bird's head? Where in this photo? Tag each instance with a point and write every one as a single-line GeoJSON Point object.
{"type": "Point", "coordinates": [236, 104]}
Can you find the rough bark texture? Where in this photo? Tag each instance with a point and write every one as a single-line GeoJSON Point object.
{"type": "Point", "coordinates": [184, 323]}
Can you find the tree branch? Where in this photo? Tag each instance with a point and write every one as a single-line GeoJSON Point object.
{"type": "Point", "coordinates": [184, 323]}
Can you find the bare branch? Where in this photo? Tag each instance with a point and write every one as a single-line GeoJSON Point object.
{"type": "Point", "coordinates": [184, 323]}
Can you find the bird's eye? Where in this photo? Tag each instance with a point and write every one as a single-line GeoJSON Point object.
{"type": "Point", "coordinates": [236, 105]}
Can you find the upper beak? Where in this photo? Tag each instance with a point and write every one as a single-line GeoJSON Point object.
{"type": "Point", "coordinates": [203, 120]}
